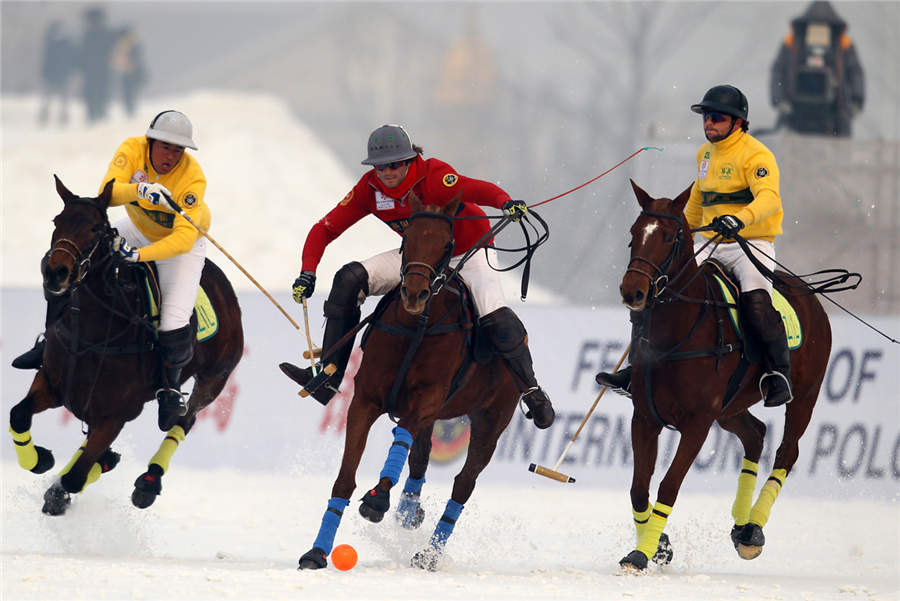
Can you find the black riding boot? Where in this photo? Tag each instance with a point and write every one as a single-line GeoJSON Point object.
{"type": "Point", "coordinates": [34, 357]}
{"type": "Point", "coordinates": [349, 289]}
{"type": "Point", "coordinates": [619, 381]}
{"type": "Point", "coordinates": [177, 349]}
{"type": "Point", "coordinates": [507, 335]}
{"type": "Point", "coordinates": [767, 325]}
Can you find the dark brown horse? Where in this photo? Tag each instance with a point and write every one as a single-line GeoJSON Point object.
{"type": "Point", "coordinates": [100, 360]}
{"type": "Point", "coordinates": [684, 352]}
{"type": "Point", "coordinates": [420, 342]}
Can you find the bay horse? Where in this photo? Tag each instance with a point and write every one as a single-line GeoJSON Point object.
{"type": "Point", "coordinates": [100, 359]}
{"type": "Point", "coordinates": [684, 353]}
{"type": "Point", "coordinates": [420, 341]}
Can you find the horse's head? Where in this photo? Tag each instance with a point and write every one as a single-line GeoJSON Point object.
{"type": "Point", "coordinates": [427, 249]}
{"type": "Point", "coordinates": [660, 244]}
{"type": "Point", "coordinates": [80, 229]}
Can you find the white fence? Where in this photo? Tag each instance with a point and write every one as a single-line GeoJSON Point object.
{"type": "Point", "coordinates": [851, 448]}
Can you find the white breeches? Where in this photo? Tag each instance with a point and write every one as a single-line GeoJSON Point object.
{"type": "Point", "coordinates": [179, 277]}
{"type": "Point", "coordinates": [384, 275]}
{"type": "Point", "coordinates": [733, 257]}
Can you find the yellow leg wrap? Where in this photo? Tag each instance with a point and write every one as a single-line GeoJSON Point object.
{"type": "Point", "coordinates": [759, 515]}
{"type": "Point", "coordinates": [93, 474]}
{"type": "Point", "coordinates": [649, 540]}
{"type": "Point", "coordinates": [640, 520]}
{"type": "Point", "coordinates": [25, 451]}
{"type": "Point", "coordinates": [740, 510]}
{"type": "Point", "coordinates": [173, 438]}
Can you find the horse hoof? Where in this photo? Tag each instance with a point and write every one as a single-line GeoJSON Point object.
{"type": "Point", "coordinates": [56, 500]}
{"type": "Point", "coordinates": [108, 460]}
{"type": "Point", "coordinates": [314, 559]}
{"type": "Point", "coordinates": [45, 460]}
{"type": "Point", "coordinates": [749, 541]}
{"type": "Point", "coordinates": [375, 504]}
{"type": "Point", "coordinates": [147, 487]}
{"type": "Point", "coordinates": [664, 552]}
{"type": "Point", "coordinates": [426, 559]}
{"type": "Point", "coordinates": [635, 561]}
{"type": "Point", "coordinates": [409, 512]}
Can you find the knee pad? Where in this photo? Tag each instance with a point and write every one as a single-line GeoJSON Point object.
{"type": "Point", "coordinates": [505, 330]}
{"type": "Point", "coordinates": [350, 283]}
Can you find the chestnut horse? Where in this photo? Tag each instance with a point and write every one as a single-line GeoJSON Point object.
{"type": "Point", "coordinates": [100, 359]}
{"type": "Point", "coordinates": [683, 355]}
{"type": "Point", "coordinates": [420, 342]}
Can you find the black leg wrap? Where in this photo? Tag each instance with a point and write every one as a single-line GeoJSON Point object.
{"type": "Point", "coordinates": [72, 483]}
{"type": "Point", "coordinates": [375, 504]}
{"type": "Point", "coordinates": [314, 559]}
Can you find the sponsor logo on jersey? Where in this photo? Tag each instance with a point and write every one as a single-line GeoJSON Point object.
{"type": "Point", "coordinates": [120, 160]}
{"type": "Point", "coordinates": [726, 171]}
{"type": "Point", "coordinates": [190, 199]}
{"type": "Point", "coordinates": [347, 198]}
{"type": "Point", "coordinates": [704, 167]}
{"type": "Point", "coordinates": [450, 180]}
{"type": "Point", "coordinates": [382, 202]}
{"type": "Point", "coordinates": [706, 155]}
{"type": "Point", "coordinates": [762, 172]}
{"type": "Point", "coordinates": [139, 176]}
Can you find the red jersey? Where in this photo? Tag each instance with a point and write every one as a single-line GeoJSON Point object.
{"type": "Point", "coordinates": [434, 182]}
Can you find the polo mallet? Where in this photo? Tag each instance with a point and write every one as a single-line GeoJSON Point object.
{"type": "Point", "coordinates": [554, 474]}
{"type": "Point", "coordinates": [181, 212]}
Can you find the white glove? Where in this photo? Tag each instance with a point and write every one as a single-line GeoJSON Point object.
{"type": "Point", "coordinates": [153, 192]}
{"type": "Point", "coordinates": [119, 245]}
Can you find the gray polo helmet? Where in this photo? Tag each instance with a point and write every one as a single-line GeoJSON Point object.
{"type": "Point", "coordinates": [724, 99]}
{"type": "Point", "coordinates": [387, 144]}
{"type": "Point", "coordinates": [172, 127]}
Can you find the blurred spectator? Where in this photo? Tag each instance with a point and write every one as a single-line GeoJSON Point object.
{"type": "Point", "coordinates": [96, 46]}
{"type": "Point", "coordinates": [817, 82]}
{"type": "Point", "coordinates": [127, 62]}
{"type": "Point", "coordinates": [57, 65]}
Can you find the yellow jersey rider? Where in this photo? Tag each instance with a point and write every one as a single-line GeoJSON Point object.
{"type": "Point", "coordinates": [147, 169]}
{"type": "Point", "coordinates": [737, 190]}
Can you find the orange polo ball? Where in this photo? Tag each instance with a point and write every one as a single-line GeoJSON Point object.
{"type": "Point", "coordinates": [343, 557]}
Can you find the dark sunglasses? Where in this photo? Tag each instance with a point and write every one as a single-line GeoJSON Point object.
{"type": "Point", "coordinates": [714, 116]}
{"type": "Point", "coordinates": [394, 165]}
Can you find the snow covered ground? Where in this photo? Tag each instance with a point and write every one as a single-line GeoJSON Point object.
{"type": "Point", "coordinates": [231, 535]}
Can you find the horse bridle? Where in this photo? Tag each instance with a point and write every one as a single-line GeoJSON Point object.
{"type": "Point", "coordinates": [81, 260]}
{"type": "Point", "coordinates": [660, 278]}
{"type": "Point", "coordinates": [436, 276]}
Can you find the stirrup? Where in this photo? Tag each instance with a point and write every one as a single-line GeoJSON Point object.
{"type": "Point", "coordinates": [765, 394]}
{"type": "Point", "coordinates": [172, 399]}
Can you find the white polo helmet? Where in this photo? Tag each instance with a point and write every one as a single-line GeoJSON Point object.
{"type": "Point", "coordinates": [172, 127]}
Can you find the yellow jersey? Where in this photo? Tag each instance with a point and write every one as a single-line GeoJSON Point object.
{"type": "Point", "coordinates": [170, 234]}
{"type": "Point", "coordinates": [737, 176]}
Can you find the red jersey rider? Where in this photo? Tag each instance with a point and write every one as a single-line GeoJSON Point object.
{"type": "Point", "coordinates": [382, 191]}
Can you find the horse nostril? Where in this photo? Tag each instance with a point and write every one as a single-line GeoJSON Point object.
{"type": "Point", "coordinates": [639, 296]}
{"type": "Point", "coordinates": [423, 296]}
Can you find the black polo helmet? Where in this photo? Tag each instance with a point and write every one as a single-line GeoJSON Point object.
{"type": "Point", "coordinates": [723, 99]}
{"type": "Point", "coordinates": [387, 144]}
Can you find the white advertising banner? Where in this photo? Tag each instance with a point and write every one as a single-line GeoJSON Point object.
{"type": "Point", "coordinates": [851, 447]}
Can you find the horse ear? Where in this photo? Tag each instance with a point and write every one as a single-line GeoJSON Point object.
{"type": "Point", "coordinates": [681, 200]}
{"type": "Point", "coordinates": [62, 190]}
{"type": "Point", "coordinates": [451, 207]}
{"type": "Point", "coordinates": [106, 194]}
{"type": "Point", "coordinates": [642, 197]}
{"type": "Point", "coordinates": [415, 205]}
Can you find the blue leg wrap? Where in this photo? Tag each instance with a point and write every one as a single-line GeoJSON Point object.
{"type": "Point", "coordinates": [330, 522]}
{"type": "Point", "coordinates": [414, 485]}
{"type": "Point", "coordinates": [409, 500]}
{"type": "Point", "coordinates": [445, 525]}
{"type": "Point", "coordinates": [393, 465]}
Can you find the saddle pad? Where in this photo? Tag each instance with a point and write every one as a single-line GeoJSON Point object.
{"type": "Point", "coordinates": [207, 321]}
{"type": "Point", "coordinates": [791, 323]}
